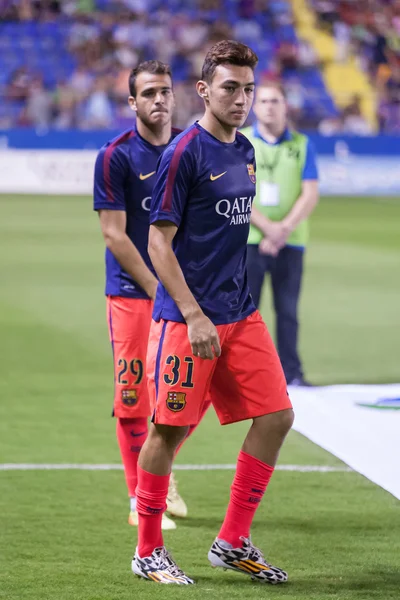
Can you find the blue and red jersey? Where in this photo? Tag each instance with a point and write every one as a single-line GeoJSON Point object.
{"type": "Point", "coordinates": [124, 179]}
{"type": "Point", "coordinates": [206, 188]}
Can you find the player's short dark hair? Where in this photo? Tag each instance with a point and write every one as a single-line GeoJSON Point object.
{"type": "Point", "coordinates": [227, 52]}
{"type": "Point", "coordinates": [154, 67]}
{"type": "Point", "coordinates": [272, 83]}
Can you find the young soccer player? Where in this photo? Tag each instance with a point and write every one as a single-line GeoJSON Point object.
{"type": "Point", "coordinates": [207, 336]}
{"type": "Point", "coordinates": [124, 179]}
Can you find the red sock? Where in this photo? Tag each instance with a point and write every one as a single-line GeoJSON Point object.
{"type": "Point", "coordinates": [204, 409]}
{"type": "Point", "coordinates": [151, 494]}
{"type": "Point", "coordinates": [249, 484]}
{"type": "Point", "coordinates": [131, 434]}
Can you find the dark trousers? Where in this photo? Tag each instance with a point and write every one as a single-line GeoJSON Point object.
{"type": "Point", "coordinates": [286, 271]}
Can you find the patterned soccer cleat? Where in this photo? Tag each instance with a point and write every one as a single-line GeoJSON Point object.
{"type": "Point", "coordinates": [166, 522]}
{"type": "Point", "coordinates": [160, 567]}
{"type": "Point", "coordinates": [248, 560]}
{"type": "Point", "coordinates": [176, 506]}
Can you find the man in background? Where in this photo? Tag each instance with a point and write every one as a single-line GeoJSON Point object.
{"type": "Point", "coordinates": [287, 193]}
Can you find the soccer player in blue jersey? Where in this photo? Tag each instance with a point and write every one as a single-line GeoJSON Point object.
{"type": "Point", "coordinates": [207, 336]}
{"type": "Point", "coordinates": [124, 179]}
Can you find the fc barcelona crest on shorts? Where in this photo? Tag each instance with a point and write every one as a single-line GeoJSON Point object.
{"type": "Point", "coordinates": [176, 401]}
{"type": "Point", "coordinates": [129, 397]}
{"type": "Point", "coordinates": [252, 175]}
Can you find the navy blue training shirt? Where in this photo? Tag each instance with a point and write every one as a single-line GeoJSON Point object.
{"type": "Point", "coordinates": [206, 188]}
{"type": "Point", "coordinates": [124, 178]}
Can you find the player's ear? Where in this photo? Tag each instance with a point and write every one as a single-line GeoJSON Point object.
{"type": "Point", "coordinates": [202, 90]}
{"type": "Point", "coordinates": [132, 103]}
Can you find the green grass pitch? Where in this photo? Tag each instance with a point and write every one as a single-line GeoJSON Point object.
{"type": "Point", "coordinates": [64, 534]}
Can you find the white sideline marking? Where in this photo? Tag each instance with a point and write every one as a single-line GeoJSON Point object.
{"type": "Point", "coordinates": [117, 467]}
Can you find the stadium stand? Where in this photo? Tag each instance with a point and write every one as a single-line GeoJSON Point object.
{"type": "Point", "coordinates": [65, 64]}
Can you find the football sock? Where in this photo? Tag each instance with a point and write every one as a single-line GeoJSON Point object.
{"type": "Point", "coordinates": [249, 484]}
{"type": "Point", "coordinates": [151, 495]}
{"type": "Point", "coordinates": [131, 435]}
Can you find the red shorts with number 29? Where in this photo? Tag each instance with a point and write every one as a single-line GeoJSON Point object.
{"type": "Point", "coordinates": [129, 322]}
{"type": "Point", "coordinates": [246, 381]}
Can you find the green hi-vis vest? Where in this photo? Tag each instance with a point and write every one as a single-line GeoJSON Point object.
{"type": "Point", "coordinates": [279, 176]}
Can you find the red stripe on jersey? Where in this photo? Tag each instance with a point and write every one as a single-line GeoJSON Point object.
{"type": "Point", "coordinates": [107, 160]}
{"type": "Point", "coordinates": [173, 167]}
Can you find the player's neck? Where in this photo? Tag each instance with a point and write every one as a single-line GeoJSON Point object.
{"type": "Point", "coordinates": [223, 133]}
{"type": "Point", "coordinates": [271, 133]}
{"type": "Point", "coordinates": [156, 137]}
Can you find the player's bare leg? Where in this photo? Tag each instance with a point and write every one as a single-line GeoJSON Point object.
{"type": "Point", "coordinates": [176, 506]}
{"type": "Point", "coordinates": [151, 560]}
{"type": "Point", "coordinates": [159, 449]}
{"type": "Point", "coordinates": [267, 434]}
{"type": "Point", "coordinates": [233, 549]}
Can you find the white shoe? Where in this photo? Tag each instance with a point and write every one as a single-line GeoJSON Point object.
{"type": "Point", "coordinates": [176, 506]}
{"type": "Point", "coordinates": [166, 522]}
{"type": "Point", "coordinates": [248, 560]}
{"type": "Point", "coordinates": [159, 567]}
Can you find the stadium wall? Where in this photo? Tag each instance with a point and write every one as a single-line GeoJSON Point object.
{"type": "Point", "coordinates": [61, 162]}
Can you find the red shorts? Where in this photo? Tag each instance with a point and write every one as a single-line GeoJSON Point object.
{"type": "Point", "coordinates": [246, 381]}
{"type": "Point", "coordinates": [129, 322]}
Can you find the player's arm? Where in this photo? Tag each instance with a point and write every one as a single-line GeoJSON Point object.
{"type": "Point", "coordinates": [167, 208]}
{"type": "Point", "coordinates": [111, 171]}
{"type": "Point", "coordinates": [203, 335]}
{"type": "Point", "coordinates": [113, 227]}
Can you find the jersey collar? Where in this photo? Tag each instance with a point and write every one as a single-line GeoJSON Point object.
{"type": "Point", "coordinates": [286, 135]}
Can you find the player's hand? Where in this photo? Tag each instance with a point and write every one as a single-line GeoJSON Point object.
{"type": "Point", "coordinates": [267, 247]}
{"type": "Point", "coordinates": [203, 337]}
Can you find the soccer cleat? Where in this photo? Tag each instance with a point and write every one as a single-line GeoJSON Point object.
{"type": "Point", "coordinates": [175, 504]}
{"type": "Point", "coordinates": [166, 522]}
{"type": "Point", "coordinates": [159, 567]}
{"type": "Point", "coordinates": [248, 560]}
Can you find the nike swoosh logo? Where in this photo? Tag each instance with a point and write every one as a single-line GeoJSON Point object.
{"type": "Point", "coordinates": [137, 434]}
{"type": "Point", "coordinates": [143, 177]}
{"type": "Point", "coordinates": [214, 177]}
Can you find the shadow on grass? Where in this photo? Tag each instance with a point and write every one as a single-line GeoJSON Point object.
{"type": "Point", "coordinates": [377, 582]}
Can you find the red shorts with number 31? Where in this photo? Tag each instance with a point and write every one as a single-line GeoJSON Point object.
{"type": "Point", "coordinates": [246, 381]}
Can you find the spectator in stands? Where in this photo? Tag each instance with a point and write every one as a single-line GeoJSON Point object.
{"type": "Point", "coordinates": [98, 111]}
{"type": "Point", "coordinates": [83, 32]}
{"type": "Point", "coordinates": [65, 102]}
{"type": "Point", "coordinates": [327, 12]}
{"type": "Point", "coordinates": [342, 34]}
{"type": "Point", "coordinates": [306, 55]}
{"type": "Point", "coordinates": [353, 120]}
{"type": "Point", "coordinates": [295, 97]}
{"type": "Point", "coordinates": [332, 125]}
{"type": "Point", "coordinates": [287, 57]}
{"type": "Point", "coordinates": [80, 82]}
{"type": "Point", "coordinates": [38, 108]}
{"type": "Point", "coordinates": [19, 84]}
